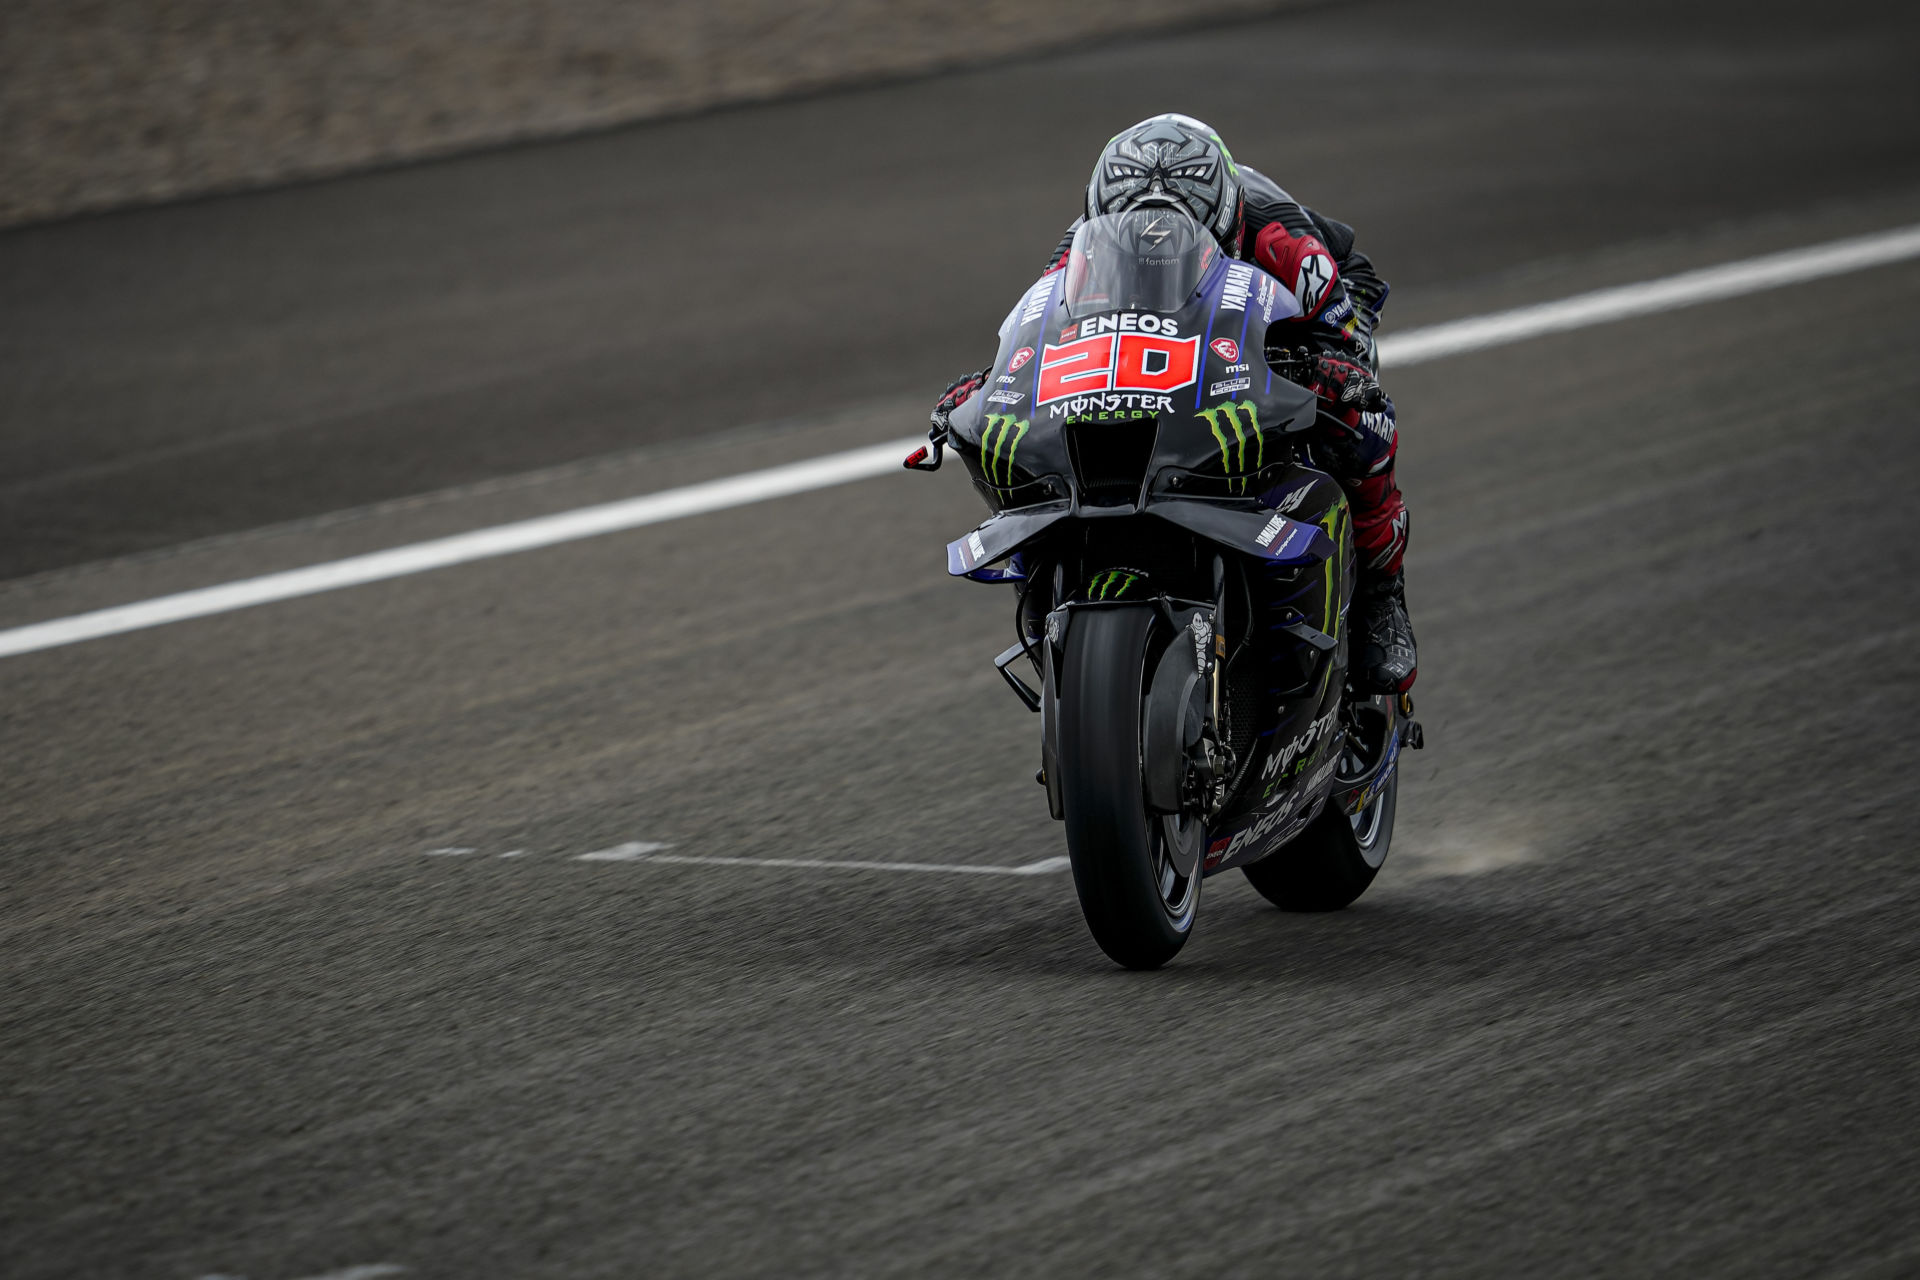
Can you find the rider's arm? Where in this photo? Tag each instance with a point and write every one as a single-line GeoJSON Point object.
{"type": "Point", "coordinates": [1363, 283]}
{"type": "Point", "coordinates": [1304, 265]}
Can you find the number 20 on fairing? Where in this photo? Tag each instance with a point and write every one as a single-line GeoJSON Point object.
{"type": "Point", "coordinates": [1118, 362]}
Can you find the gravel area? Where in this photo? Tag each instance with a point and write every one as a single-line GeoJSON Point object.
{"type": "Point", "coordinates": [113, 102]}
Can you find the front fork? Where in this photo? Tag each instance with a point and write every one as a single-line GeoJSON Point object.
{"type": "Point", "coordinates": [1212, 765]}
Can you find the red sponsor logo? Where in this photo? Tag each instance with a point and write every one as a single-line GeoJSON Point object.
{"type": "Point", "coordinates": [1227, 349]}
{"type": "Point", "coordinates": [1117, 362]}
{"type": "Point", "coordinates": [1020, 359]}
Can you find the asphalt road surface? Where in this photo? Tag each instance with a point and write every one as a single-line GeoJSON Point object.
{"type": "Point", "coordinates": [304, 970]}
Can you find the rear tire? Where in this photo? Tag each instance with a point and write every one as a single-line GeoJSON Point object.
{"type": "Point", "coordinates": [1333, 861]}
{"type": "Point", "coordinates": [1138, 908]}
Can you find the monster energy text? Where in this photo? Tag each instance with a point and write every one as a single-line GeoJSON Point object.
{"type": "Point", "coordinates": [1110, 406]}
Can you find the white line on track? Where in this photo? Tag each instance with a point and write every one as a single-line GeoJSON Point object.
{"type": "Point", "coordinates": [645, 851]}
{"type": "Point", "coordinates": [656, 851]}
{"type": "Point", "coordinates": [632, 851]}
{"type": "Point", "coordinates": [1475, 333]}
{"type": "Point", "coordinates": [1689, 288]}
{"type": "Point", "coordinates": [368, 1271]}
{"type": "Point", "coordinates": [1046, 866]}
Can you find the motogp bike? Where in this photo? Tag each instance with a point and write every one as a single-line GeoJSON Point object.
{"type": "Point", "coordinates": [1183, 574]}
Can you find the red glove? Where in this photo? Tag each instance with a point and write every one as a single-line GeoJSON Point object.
{"type": "Point", "coordinates": [956, 395]}
{"type": "Point", "coordinates": [1345, 386]}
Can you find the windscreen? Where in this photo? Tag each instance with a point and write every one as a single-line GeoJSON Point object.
{"type": "Point", "coordinates": [1142, 260]}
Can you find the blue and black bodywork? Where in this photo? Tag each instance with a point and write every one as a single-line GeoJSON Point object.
{"type": "Point", "coordinates": [1143, 450]}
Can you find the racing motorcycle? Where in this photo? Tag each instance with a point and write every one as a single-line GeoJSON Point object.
{"type": "Point", "coordinates": [1183, 574]}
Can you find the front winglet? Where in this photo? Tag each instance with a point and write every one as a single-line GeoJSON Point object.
{"type": "Point", "coordinates": [999, 537]}
{"type": "Point", "coordinates": [1270, 536]}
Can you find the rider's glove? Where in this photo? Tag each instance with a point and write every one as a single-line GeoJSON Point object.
{"type": "Point", "coordinates": [927, 456]}
{"type": "Point", "coordinates": [1346, 386]}
{"type": "Point", "coordinates": [956, 395]}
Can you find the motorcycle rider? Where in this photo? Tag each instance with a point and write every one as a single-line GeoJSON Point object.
{"type": "Point", "coordinates": [1176, 161]}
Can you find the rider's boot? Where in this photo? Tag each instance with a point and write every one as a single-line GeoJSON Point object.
{"type": "Point", "coordinates": [1388, 661]}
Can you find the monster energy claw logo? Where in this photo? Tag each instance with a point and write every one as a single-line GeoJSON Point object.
{"type": "Point", "coordinates": [1111, 584]}
{"type": "Point", "coordinates": [1233, 457]}
{"type": "Point", "coordinates": [1000, 426]}
{"type": "Point", "coordinates": [1333, 520]}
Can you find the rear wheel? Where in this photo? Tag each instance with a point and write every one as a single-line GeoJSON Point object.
{"type": "Point", "coordinates": [1137, 872]}
{"type": "Point", "coordinates": [1333, 861]}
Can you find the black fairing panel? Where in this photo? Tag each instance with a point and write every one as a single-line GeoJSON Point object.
{"type": "Point", "coordinates": [1266, 536]}
{"type": "Point", "coordinates": [1293, 686]}
{"type": "Point", "coordinates": [1223, 420]}
{"type": "Point", "coordinates": [1001, 535]}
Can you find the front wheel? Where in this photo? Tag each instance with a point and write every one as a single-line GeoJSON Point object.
{"type": "Point", "coordinates": [1137, 872]}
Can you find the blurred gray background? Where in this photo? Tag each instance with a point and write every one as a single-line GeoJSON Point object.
{"type": "Point", "coordinates": [108, 102]}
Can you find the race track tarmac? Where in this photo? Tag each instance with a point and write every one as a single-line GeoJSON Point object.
{"type": "Point", "coordinates": [304, 967]}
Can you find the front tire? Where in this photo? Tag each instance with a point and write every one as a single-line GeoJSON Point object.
{"type": "Point", "coordinates": [1138, 906]}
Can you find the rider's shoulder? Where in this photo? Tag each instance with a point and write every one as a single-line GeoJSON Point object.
{"type": "Point", "coordinates": [1268, 203]}
{"type": "Point", "coordinates": [1262, 193]}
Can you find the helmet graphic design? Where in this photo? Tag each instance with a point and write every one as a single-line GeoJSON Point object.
{"type": "Point", "coordinates": [1175, 161]}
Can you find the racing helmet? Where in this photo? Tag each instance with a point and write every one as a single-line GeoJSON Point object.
{"type": "Point", "coordinates": [1173, 161]}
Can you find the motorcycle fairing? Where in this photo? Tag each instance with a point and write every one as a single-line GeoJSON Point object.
{"type": "Point", "coordinates": [1220, 423]}
{"type": "Point", "coordinates": [1270, 536]}
{"type": "Point", "coordinates": [1292, 767]}
{"type": "Point", "coordinates": [999, 536]}
{"type": "Point", "coordinates": [1225, 423]}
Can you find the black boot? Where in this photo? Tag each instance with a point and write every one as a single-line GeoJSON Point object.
{"type": "Point", "coordinates": [1387, 661]}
